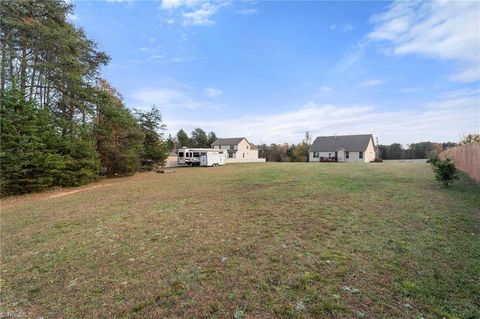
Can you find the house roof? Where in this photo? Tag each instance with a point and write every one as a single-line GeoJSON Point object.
{"type": "Point", "coordinates": [350, 143]}
{"type": "Point", "coordinates": [233, 141]}
{"type": "Point", "coordinates": [228, 141]}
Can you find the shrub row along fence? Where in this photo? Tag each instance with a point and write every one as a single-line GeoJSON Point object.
{"type": "Point", "coordinates": [466, 157]}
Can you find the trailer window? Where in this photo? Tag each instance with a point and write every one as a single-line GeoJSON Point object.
{"type": "Point", "coordinates": [196, 154]}
{"type": "Point", "coordinates": [186, 154]}
{"type": "Point", "coordinates": [180, 154]}
{"type": "Point", "coordinates": [203, 153]}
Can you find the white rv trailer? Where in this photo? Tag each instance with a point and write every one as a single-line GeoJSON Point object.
{"type": "Point", "coordinates": [201, 156]}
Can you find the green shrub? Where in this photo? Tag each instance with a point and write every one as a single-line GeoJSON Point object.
{"type": "Point", "coordinates": [433, 159]}
{"type": "Point", "coordinates": [445, 170]}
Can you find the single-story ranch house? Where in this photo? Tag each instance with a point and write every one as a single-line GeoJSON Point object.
{"type": "Point", "coordinates": [239, 149]}
{"type": "Point", "coordinates": [343, 148]}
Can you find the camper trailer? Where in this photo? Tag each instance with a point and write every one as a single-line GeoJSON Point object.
{"type": "Point", "coordinates": [201, 157]}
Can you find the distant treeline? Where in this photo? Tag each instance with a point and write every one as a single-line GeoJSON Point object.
{"type": "Point", "coordinates": [60, 124]}
{"type": "Point", "coordinates": [198, 138]}
{"type": "Point", "coordinates": [286, 152]}
{"type": "Point", "coordinates": [413, 151]}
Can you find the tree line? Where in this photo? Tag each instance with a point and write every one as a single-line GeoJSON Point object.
{"type": "Point", "coordinates": [61, 125]}
{"type": "Point", "coordinates": [286, 152]}
{"type": "Point", "coordinates": [419, 150]}
{"type": "Point", "coordinates": [198, 138]}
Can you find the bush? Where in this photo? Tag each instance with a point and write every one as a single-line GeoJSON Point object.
{"type": "Point", "coordinates": [445, 170]}
{"type": "Point", "coordinates": [433, 159]}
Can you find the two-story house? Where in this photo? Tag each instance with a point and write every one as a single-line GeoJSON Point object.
{"type": "Point", "coordinates": [239, 149]}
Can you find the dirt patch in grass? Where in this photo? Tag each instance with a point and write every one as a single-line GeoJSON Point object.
{"type": "Point", "coordinates": [247, 241]}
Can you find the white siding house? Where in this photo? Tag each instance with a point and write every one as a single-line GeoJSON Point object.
{"type": "Point", "coordinates": [343, 148]}
{"type": "Point", "coordinates": [239, 149]}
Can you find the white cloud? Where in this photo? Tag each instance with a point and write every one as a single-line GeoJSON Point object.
{"type": "Point", "coordinates": [212, 92]}
{"type": "Point", "coordinates": [73, 17]}
{"type": "Point", "coordinates": [202, 15]}
{"type": "Point", "coordinates": [192, 12]}
{"type": "Point", "coordinates": [347, 27]}
{"type": "Point", "coordinates": [170, 98]}
{"type": "Point", "coordinates": [371, 82]}
{"type": "Point", "coordinates": [434, 29]}
{"type": "Point", "coordinates": [326, 89]}
{"type": "Point", "coordinates": [348, 60]}
{"type": "Point", "coordinates": [174, 4]}
{"type": "Point", "coordinates": [438, 120]}
{"type": "Point", "coordinates": [247, 11]}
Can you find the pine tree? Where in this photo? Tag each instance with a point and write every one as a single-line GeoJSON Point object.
{"type": "Point", "coordinates": [119, 136]}
{"type": "Point", "coordinates": [155, 151]}
{"type": "Point", "coordinates": [199, 138]}
{"type": "Point", "coordinates": [183, 140]}
{"type": "Point", "coordinates": [211, 138]}
{"type": "Point", "coordinates": [28, 156]}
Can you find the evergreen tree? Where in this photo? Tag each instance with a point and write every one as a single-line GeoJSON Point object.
{"type": "Point", "coordinates": [155, 150]}
{"type": "Point", "coordinates": [119, 136]}
{"type": "Point", "coordinates": [199, 138]}
{"type": "Point", "coordinates": [183, 140]}
{"type": "Point", "coordinates": [171, 143]}
{"type": "Point", "coordinates": [28, 159]}
{"type": "Point", "coordinates": [211, 138]}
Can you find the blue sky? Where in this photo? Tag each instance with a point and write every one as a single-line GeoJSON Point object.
{"type": "Point", "coordinates": [404, 71]}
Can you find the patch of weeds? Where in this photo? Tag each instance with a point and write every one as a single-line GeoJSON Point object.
{"type": "Point", "coordinates": [239, 313]}
{"type": "Point", "coordinates": [409, 287]}
{"type": "Point", "coordinates": [142, 305]}
{"type": "Point", "coordinates": [167, 207]}
{"type": "Point", "coordinates": [327, 306]}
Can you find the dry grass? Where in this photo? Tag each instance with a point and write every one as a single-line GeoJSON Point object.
{"type": "Point", "coordinates": [247, 241]}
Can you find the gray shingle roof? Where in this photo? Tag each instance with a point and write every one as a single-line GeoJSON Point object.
{"type": "Point", "coordinates": [228, 141]}
{"type": "Point", "coordinates": [350, 143]}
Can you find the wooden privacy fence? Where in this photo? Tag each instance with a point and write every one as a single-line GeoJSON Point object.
{"type": "Point", "coordinates": [466, 157]}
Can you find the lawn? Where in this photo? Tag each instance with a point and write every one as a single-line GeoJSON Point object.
{"type": "Point", "coordinates": [274, 240]}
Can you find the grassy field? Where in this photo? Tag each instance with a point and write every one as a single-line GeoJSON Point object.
{"type": "Point", "coordinates": [247, 241]}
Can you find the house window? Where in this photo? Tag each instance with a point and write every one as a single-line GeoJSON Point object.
{"type": "Point", "coordinates": [230, 154]}
{"type": "Point", "coordinates": [232, 147]}
{"type": "Point", "coordinates": [243, 155]}
{"type": "Point", "coordinates": [316, 154]}
{"type": "Point", "coordinates": [360, 155]}
{"type": "Point", "coordinates": [347, 155]}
